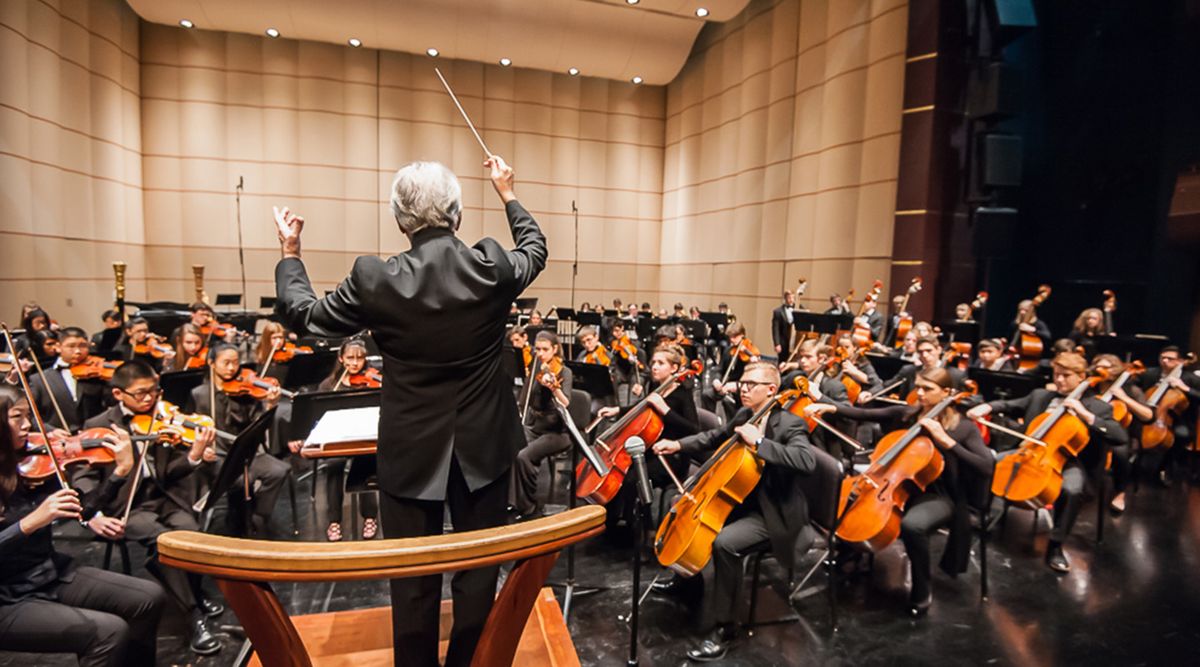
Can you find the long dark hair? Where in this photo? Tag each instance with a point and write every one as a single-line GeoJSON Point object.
{"type": "Point", "coordinates": [9, 396]}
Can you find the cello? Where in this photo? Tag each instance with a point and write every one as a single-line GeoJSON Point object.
{"type": "Point", "coordinates": [872, 503]}
{"type": "Point", "coordinates": [684, 539]}
{"type": "Point", "coordinates": [1168, 403]}
{"type": "Point", "coordinates": [1028, 347]}
{"type": "Point", "coordinates": [905, 323]}
{"type": "Point", "coordinates": [1120, 410]}
{"type": "Point", "coordinates": [1033, 474]}
{"type": "Point", "coordinates": [600, 484]}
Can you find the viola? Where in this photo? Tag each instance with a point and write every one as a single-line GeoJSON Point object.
{"type": "Point", "coordinates": [1028, 347]}
{"type": "Point", "coordinates": [527, 357]}
{"type": "Point", "coordinates": [94, 368]}
{"type": "Point", "coordinates": [598, 356]}
{"type": "Point", "coordinates": [905, 323]}
{"type": "Point", "coordinates": [248, 383]}
{"type": "Point", "coordinates": [684, 539]}
{"type": "Point", "coordinates": [1120, 410]}
{"type": "Point", "coordinates": [153, 347]}
{"type": "Point", "coordinates": [289, 351]}
{"type": "Point", "coordinates": [368, 378]}
{"type": "Point", "coordinates": [872, 503]}
{"type": "Point", "coordinates": [641, 420]}
{"type": "Point", "coordinates": [1033, 474]}
{"type": "Point", "coordinates": [1168, 404]}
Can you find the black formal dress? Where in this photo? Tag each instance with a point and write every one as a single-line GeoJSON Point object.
{"type": "Point", "coordinates": [773, 516]}
{"type": "Point", "coordinates": [449, 429]}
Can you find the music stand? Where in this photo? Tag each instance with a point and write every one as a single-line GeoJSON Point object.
{"type": "Point", "coordinates": [177, 386]}
{"type": "Point", "coordinates": [164, 322]}
{"type": "Point", "coordinates": [527, 305]}
{"type": "Point", "coordinates": [109, 339]}
{"type": "Point", "coordinates": [266, 302]}
{"type": "Point", "coordinates": [1002, 385]}
{"type": "Point", "coordinates": [307, 408]}
{"type": "Point", "coordinates": [229, 299]}
{"type": "Point", "coordinates": [584, 318]}
{"type": "Point", "coordinates": [1142, 347]}
{"type": "Point", "coordinates": [886, 366]}
{"type": "Point", "coordinates": [716, 322]}
{"type": "Point", "coordinates": [594, 379]}
{"type": "Point", "coordinates": [565, 313]}
{"type": "Point", "coordinates": [959, 332]}
{"type": "Point", "coordinates": [309, 369]}
{"type": "Point", "coordinates": [238, 457]}
{"type": "Point", "coordinates": [696, 329]}
{"type": "Point", "coordinates": [805, 322]}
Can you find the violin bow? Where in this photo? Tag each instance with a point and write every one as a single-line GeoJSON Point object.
{"type": "Point", "coordinates": [53, 401]}
{"type": "Point", "coordinates": [37, 416]}
{"type": "Point", "coordinates": [270, 357]}
{"type": "Point", "coordinates": [462, 111]}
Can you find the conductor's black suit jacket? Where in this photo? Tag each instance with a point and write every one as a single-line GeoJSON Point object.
{"type": "Point", "coordinates": [438, 314]}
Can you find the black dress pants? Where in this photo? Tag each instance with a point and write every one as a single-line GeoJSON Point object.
{"type": "Point", "coordinates": [145, 524]}
{"type": "Point", "coordinates": [744, 536]}
{"type": "Point", "coordinates": [416, 601]}
{"type": "Point", "coordinates": [104, 618]}
{"type": "Point", "coordinates": [923, 516]}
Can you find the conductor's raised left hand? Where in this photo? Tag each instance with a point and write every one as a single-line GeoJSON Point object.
{"type": "Point", "coordinates": [288, 226]}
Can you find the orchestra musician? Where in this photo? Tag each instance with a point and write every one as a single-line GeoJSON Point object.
{"type": "Point", "coordinates": [137, 336]}
{"type": "Point", "coordinates": [740, 349]}
{"type": "Point", "coordinates": [449, 429]}
{"type": "Point", "coordinates": [545, 432]}
{"type": "Point", "coordinates": [781, 324]}
{"type": "Point", "coordinates": [112, 321]}
{"type": "Point", "coordinates": [1135, 399]}
{"type": "Point", "coordinates": [908, 347]}
{"type": "Point", "coordinates": [872, 319]}
{"type": "Point", "coordinates": [48, 603]}
{"type": "Point", "coordinates": [1069, 369]}
{"type": "Point", "coordinates": [991, 357]}
{"type": "Point", "coordinates": [78, 399]}
{"type": "Point", "coordinates": [946, 502]}
{"type": "Point", "coordinates": [929, 355]}
{"type": "Point", "coordinates": [45, 346]}
{"type": "Point", "coordinates": [271, 340]}
{"type": "Point", "coordinates": [190, 351]}
{"type": "Point", "coordinates": [628, 364]}
{"type": "Point", "coordinates": [162, 498]}
{"type": "Point", "coordinates": [1026, 321]}
{"type": "Point", "coordinates": [1165, 465]}
{"type": "Point", "coordinates": [772, 517]}
{"type": "Point", "coordinates": [837, 305]}
{"type": "Point", "coordinates": [1087, 328]}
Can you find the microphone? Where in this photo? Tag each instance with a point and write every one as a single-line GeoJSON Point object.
{"type": "Point", "coordinates": [636, 448]}
{"type": "Point", "coordinates": [241, 184]}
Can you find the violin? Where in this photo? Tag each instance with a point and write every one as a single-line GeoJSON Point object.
{"type": "Point", "coordinates": [642, 421]}
{"type": "Point", "coordinates": [1168, 403]}
{"type": "Point", "coordinates": [747, 351]}
{"type": "Point", "coordinates": [248, 383]}
{"type": "Point", "coordinates": [625, 348]}
{"type": "Point", "coordinates": [289, 351]}
{"type": "Point", "coordinates": [89, 446]}
{"type": "Point", "coordinates": [1033, 474]}
{"type": "Point", "coordinates": [154, 347]}
{"type": "Point", "coordinates": [1120, 410]}
{"type": "Point", "coordinates": [905, 323]}
{"type": "Point", "coordinates": [198, 361]}
{"type": "Point", "coordinates": [94, 368]}
{"type": "Point", "coordinates": [860, 332]}
{"type": "Point", "coordinates": [1028, 347]}
{"type": "Point", "coordinates": [597, 356]}
{"type": "Point", "coordinates": [872, 503]}
{"type": "Point", "coordinates": [6, 362]}
{"type": "Point", "coordinates": [684, 539]}
{"type": "Point", "coordinates": [171, 425]}
{"type": "Point", "coordinates": [368, 378]}
{"type": "Point", "coordinates": [221, 330]}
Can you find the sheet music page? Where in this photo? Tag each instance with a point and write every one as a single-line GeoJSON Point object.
{"type": "Point", "coordinates": [349, 425]}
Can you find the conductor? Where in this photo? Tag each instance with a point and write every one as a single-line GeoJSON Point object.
{"type": "Point", "coordinates": [448, 425]}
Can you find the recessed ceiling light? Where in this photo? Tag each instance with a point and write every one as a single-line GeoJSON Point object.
{"type": "Point", "coordinates": [637, 80]}
{"type": "Point", "coordinates": [701, 12]}
{"type": "Point", "coordinates": [186, 23]}
{"type": "Point", "coordinates": [574, 71]}
{"type": "Point", "coordinates": [272, 33]}
{"type": "Point", "coordinates": [432, 53]}
{"type": "Point", "coordinates": [355, 42]}
{"type": "Point", "coordinates": [633, 2]}
{"type": "Point", "coordinates": [505, 62]}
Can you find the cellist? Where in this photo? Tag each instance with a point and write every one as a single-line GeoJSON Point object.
{"type": "Point", "coordinates": [1163, 464]}
{"type": "Point", "coordinates": [1069, 369]}
{"type": "Point", "coordinates": [772, 516]}
{"type": "Point", "coordinates": [1135, 400]}
{"type": "Point", "coordinates": [962, 484]}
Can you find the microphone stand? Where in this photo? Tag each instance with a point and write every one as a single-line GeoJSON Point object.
{"type": "Point", "coordinates": [637, 447]}
{"type": "Point", "coordinates": [575, 263]}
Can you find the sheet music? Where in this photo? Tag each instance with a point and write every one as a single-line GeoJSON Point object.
{"type": "Point", "coordinates": [349, 425]}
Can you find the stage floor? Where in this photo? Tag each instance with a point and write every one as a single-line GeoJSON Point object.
{"type": "Point", "coordinates": [1135, 599]}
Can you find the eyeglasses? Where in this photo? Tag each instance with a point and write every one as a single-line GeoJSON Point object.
{"type": "Point", "coordinates": [143, 394]}
{"type": "Point", "coordinates": [747, 385]}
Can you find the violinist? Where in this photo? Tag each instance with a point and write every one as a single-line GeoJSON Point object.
{"type": "Point", "coordinates": [962, 484]}
{"type": "Point", "coordinates": [162, 498]}
{"type": "Point", "coordinates": [48, 604]}
{"type": "Point", "coordinates": [781, 323]}
{"type": "Point", "coordinates": [593, 352]}
{"type": "Point", "coordinates": [545, 432]}
{"type": "Point", "coordinates": [1135, 400]}
{"type": "Point", "coordinates": [1087, 327]}
{"type": "Point", "coordinates": [329, 484]}
{"type": "Point", "coordinates": [772, 517]}
{"type": "Point", "coordinates": [273, 339]}
{"type": "Point", "coordinates": [741, 352]}
{"type": "Point", "coordinates": [1165, 465]}
{"type": "Point", "coordinates": [233, 414]}
{"type": "Point", "coordinates": [519, 339]}
{"type": "Point", "coordinates": [628, 364]}
{"type": "Point", "coordinates": [860, 369]}
{"type": "Point", "coordinates": [1070, 369]}
{"type": "Point", "coordinates": [79, 399]}
{"type": "Point", "coordinates": [33, 320]}
{"type": "Point", "coordinates": [991, 357]}
{"type": "Point", "coordinates": [112, 322]}
{"type": "Point", "coordinates": [139, 343]}
{"type": "Point", "coordinates": [189, 348]}
{"type": "Point", "coordinates": [46, 346]}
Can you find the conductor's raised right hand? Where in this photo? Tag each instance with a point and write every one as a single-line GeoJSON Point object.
{"type": "Point", "coordinates": [288, 226]}
{"type": "Point", "coordinates": [502, 177]}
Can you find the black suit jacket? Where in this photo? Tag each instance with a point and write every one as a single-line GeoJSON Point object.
{"type": "Point", "coordinates": [781, 329]}
{"type": "Point", "coordinates": [438, 313]}
{"type": "Point", "coordinates": [89, 400]}
{"type": "Point", "coordinates": [786, 451]}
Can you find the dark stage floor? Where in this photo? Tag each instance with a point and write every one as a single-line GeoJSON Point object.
{"type": "Point", "coordinates": [1133, 600]}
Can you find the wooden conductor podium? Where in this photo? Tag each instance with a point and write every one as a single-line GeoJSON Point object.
{"type": "Point", "coordinates": [524, 621]}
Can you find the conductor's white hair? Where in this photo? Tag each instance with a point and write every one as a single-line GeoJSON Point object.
{"type": "Point", "coordinates": [426, 194]}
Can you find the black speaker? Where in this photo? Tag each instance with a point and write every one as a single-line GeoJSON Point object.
{"type": "Point", "coordinates": [993, 91]}
{"type": "Point", "coordinates": [998, 162]}
{"type": "Point", "coordinates": [995, 232]}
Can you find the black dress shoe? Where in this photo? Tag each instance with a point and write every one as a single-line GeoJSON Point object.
{"type": "Point", "coordinates": [209, 608]}
{"type": "Point", "coordinates": [919, 608]}
{"type": "Point", "coordinates": [673, 586]}
{"type": "Point", "coordinates": [203, 642]}
{"type": "Point", "coordinates": [714, 646]}
{"type": "Point", "coordinates": [1057, 560]}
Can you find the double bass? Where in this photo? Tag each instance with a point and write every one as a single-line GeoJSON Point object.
{"type": "Point", "coordinates": [1033, 474]}
{"type": "Point", "coordinates": [872, 503]}
{"type": "Point", "coordinates": [861, 333]}
{"type": "Point", "coordinates": [1028, 347]}
{"type": "Point", "coordinates": [1168, 403]}
{"type": "Point", "coordinates": [642, 421]}
{"type": "Point", "coordinates": [905, 323]}
{"type": "Point", "coordinates": [685, 537]}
